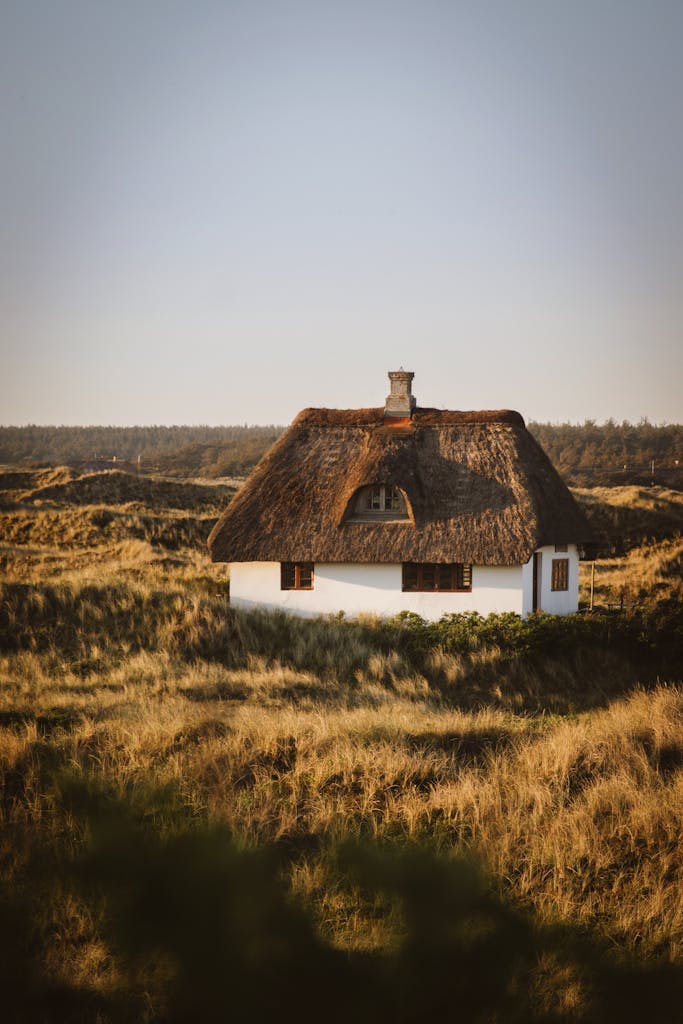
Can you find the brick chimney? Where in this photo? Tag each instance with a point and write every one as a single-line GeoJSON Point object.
{"type": "Point", "coordinates": [400, 401]}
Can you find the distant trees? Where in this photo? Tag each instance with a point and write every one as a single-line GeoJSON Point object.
{"type": "Point", "coordinates": [232, 457]}
{"type": "Point", "coordinates": [181, 450]}
{"type": "Point", "coordinates": [591, 454]}
{"type": "Point", "coordinates": [585, 454]}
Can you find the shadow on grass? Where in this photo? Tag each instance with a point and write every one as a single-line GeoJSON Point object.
{"type": "Point", "coordinates": [542, 663]}
{"type": "Point", "coordinates": [201, 930]}
{"type": "Point", "coordinates": [207, 694]}
{"type": "Point", "coordinates": [46, 722]}
{"type": "Point", "coordinates": [294, 692]}
{"type": "Point", "coordinates": [471, 747]}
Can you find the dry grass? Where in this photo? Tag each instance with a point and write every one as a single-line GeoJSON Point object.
{"type": "Point", "coordinates": [123, 673]}
{"type": "Point", "coordinates": [640, 536]}
{"type": "Point", "coordinates": [579, 821]}
{"type": "Point", "coordinates": [644, 574]}
{"type": "Point", "coordinates": [552, 805]}
{"type": "Point", "coordinates": [625, 517]}
{"type": "Point", "coordinates": [62, 486]}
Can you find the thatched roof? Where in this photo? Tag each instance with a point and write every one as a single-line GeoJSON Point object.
{"type": "Point", "coordinates": [478, 487]}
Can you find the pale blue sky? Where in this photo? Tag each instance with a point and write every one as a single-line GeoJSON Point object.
{"type": "Point", "coordinates": [222, 212]}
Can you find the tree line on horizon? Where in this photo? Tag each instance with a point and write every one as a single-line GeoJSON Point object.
{"type": "Point", "coordinates": [594, 454]}
{"type": "Point", "coordinates": [176, 450]}
{"type": "Point", "coordinates": [586, 454]}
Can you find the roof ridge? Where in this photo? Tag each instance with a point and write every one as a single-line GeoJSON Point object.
{"type": "Point", "coordinates": [421, 416]}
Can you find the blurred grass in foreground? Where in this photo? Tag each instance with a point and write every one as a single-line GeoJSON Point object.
{"type": "Point", "coordinates": [197, 928]}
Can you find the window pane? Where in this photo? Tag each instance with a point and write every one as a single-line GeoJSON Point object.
{"type": "Point", "coordinates": [409, 576]}
{"type": "Point", "coordinates": [287, 576]}
{"type": "Point", "coordinates": [306, 576]}
{"type": "Point", "coordinates": [560, 574]}
{"type": "Point", "coordinates": [428, 571]}
{"type": "Point", "coordinates": [444, 577]}
{"type": "Point", "coordinates": [465, 582]}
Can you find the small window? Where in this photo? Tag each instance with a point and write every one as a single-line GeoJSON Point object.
{"type": "Point", "coordinates": [433, 576]}
{"type": "Point", "coordinates": [382, 502]}
{"type": "Point", "coordinates": [296, 575]}
{"type": "Point", "coordinates": [560, 547]}
{"type": "Point", "coordinates": [560, 574]}
{"type": "Point", "coordinates": [382, 498]}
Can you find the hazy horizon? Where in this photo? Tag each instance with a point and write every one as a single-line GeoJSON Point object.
{"type": "Point", "coordinates": [266, 425]}
{"type": "Point", "coordinates": [228, 212]}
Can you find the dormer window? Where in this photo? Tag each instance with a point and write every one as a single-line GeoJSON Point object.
{"type": "Point", "coordinates": [382, 502]}
{"type": "Point", "coordinates": [382, 498]}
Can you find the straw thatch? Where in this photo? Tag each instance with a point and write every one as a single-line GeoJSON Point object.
{"type": "Point", "coordinates": [478, 487]}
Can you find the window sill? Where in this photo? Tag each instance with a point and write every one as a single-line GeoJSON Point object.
{"type": "Point", "coordinates": [378, 517]}
{"type": "Point", "coordinates": [441, 590]}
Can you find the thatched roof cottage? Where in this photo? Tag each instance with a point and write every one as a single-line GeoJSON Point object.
{"type": "Point", "coordinates": [402, 507]}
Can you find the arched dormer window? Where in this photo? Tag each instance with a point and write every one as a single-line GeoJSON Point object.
{"type": "Point", "coordinates": [382, 502]}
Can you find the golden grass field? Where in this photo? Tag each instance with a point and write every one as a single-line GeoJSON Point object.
{"type": "Point", "coordinates": [150, 733]}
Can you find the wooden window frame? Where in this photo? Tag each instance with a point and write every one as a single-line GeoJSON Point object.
{"type": "Point", "coordinates": [297, 576]}
{"type": "Point", "coordinates": [429, 578]}
{"type": "Point", "coordinates": [561, 547]}
{"type": "Point", "coordinates": [559, 579]}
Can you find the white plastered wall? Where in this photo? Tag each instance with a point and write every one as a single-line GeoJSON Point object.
{"type": "Point", "coordinates": [354, 588]}
{"type": "Point", "coordinates": [554, 602]}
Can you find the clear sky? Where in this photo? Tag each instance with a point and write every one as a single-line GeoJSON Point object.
{"type": "Point", "coordinates": [222, 212]}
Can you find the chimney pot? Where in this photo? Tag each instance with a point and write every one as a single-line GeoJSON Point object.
{"type": "Point", "coordinates": [400, 401]}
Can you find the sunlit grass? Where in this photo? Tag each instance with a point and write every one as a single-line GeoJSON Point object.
{"type": "Point", "coordinates": [125, 672]}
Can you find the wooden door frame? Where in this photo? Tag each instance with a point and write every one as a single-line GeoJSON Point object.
{"type": "Point", "coordinates": [536, 582]}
